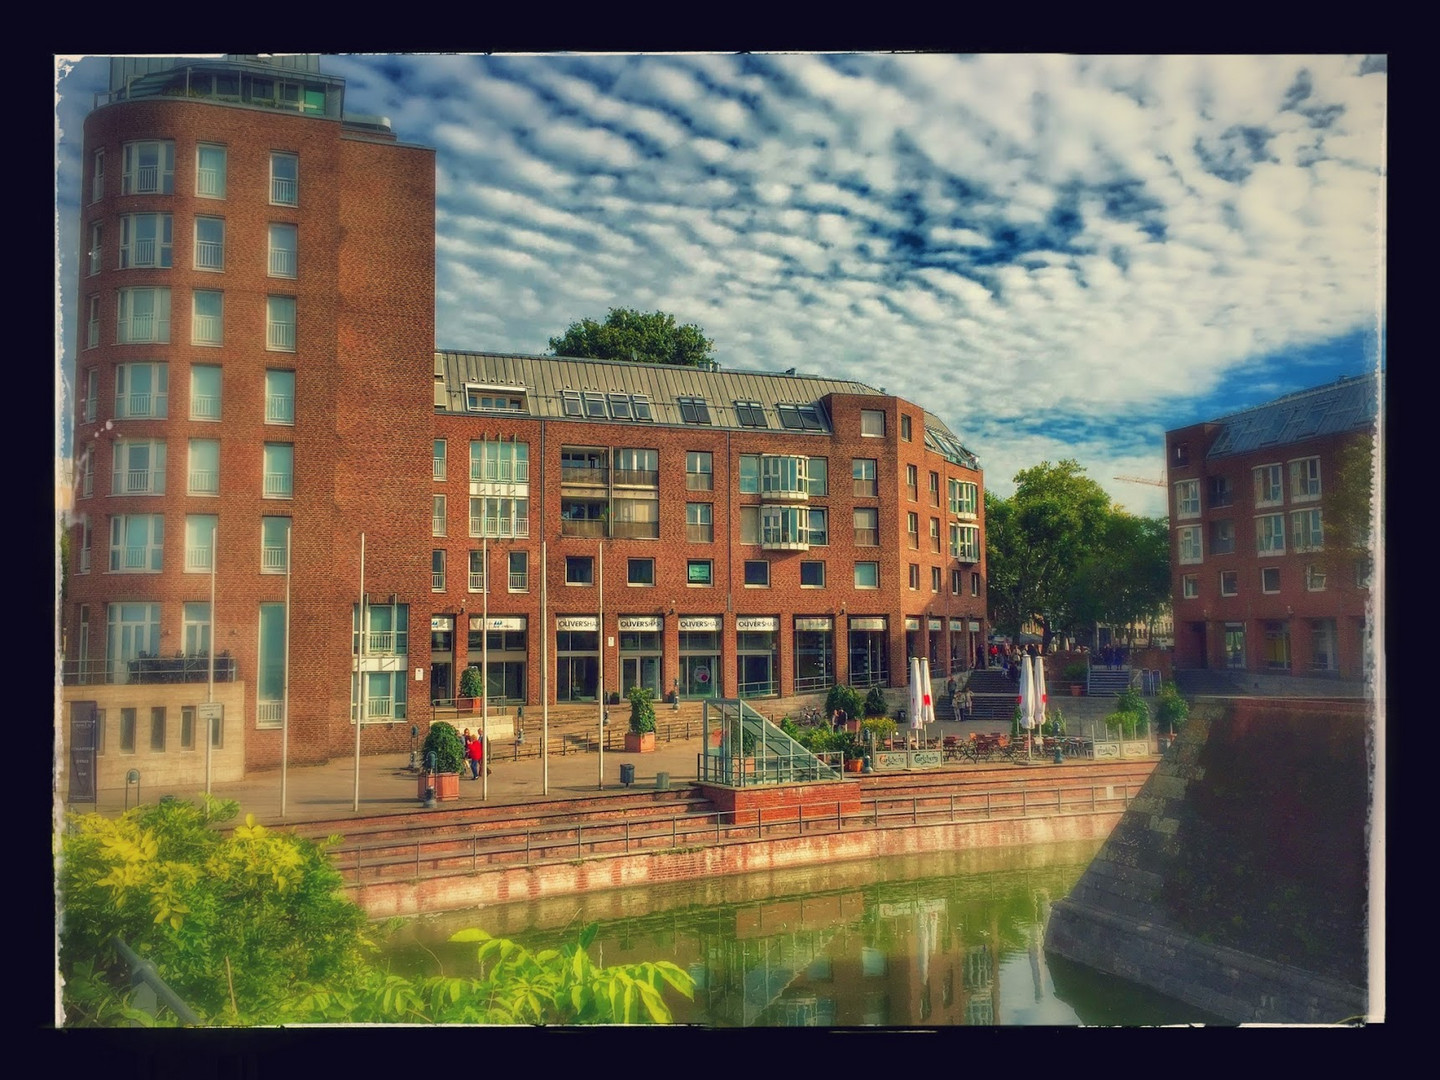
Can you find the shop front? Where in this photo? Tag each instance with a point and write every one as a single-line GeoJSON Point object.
{"type": "Point", "coordinates": [870, 650]}
{"type": "Point", "coordinates": [699, 656]}
{"type": "Point", "coordinates": [501, 646]}
{"type": "Point", "coordinates": [757, 648]}
{"type": "Point", "coordinates": [577, 658]}
{"type": "Point", "coordinates": [641, 651]}
{"type": "Point", "coordinates": [814, 653]}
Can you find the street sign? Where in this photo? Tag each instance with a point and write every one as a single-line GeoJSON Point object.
{"type": "Point", "coordinates": [210, 711]}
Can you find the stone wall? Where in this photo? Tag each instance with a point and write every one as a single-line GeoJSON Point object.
{"type": "Point", "coordinates": [1237, 879]}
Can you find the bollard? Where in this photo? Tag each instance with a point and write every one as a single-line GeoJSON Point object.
{"type": "Point", "coordinates": [662, 781]}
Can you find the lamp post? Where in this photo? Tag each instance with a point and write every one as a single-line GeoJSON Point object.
{"type": "Point", "coordinates": [544, 668]}
{"type": "Point", "coordinates": [210, 672]}
{"type": "Point", "coordinates": [360, 673]}
{"type": "Point", "coordinates": [285, 684]}
{"type": "Point", "coordinates": [600, 640]}
{"type": "Point", "coordinates": [485, 670]}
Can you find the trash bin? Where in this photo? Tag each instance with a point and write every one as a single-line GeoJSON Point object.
{"type": "Point", "coordinates": [662, 781]}
{"type": "Point", "coordinates": [627, 774]}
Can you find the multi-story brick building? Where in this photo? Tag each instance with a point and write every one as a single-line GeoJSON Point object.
{"type": "Point", "coordinates": [1254, 586]}
{"type": "Point", "coordinates": [257, 303]}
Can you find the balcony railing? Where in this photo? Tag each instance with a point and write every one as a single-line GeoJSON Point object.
{"type": "Point", "coordinates": [131, 558]}
{"type": "Point", "coordinates": [137, 406]}
{"type": "Point", "coordinates": [209, 182]}
{"type": "Point", "coordinates": [279, 409]}
{"type": "Point", "coordinates": [581, 527]}
{"type": "Point", "coordinates": [584, 474]}
{"type": "Point", "coordinates": [500, 527]}
{"type": "Point", "coordinates": [497, 471]}
{"type": "Point", "coordinates": [278, 485]}
{"type": "Point", "coordinates": [282, 191]}
{"type": "Point", "coordinates": [282, 262]}
{"type": "Point", "coordinates": [204, 482]}
{"type": "Point", "coordinates": [137, 482]}
{"type": "Point", "coordinates": [810, 683]}
{"type": "Point", "coordinates": [205, 406]}
{"type": "Point", "coordinates": [386, 643]}
{"type": "Point", "coordinates": [477, 583]}
{"type": "Point", "coordinates": [269, 713]}
{"type": "Point", "coordinates": [437, 581]}
{"type": "Point", "coordinates": [149, 669]}
{"type": "Point", "coordinates": [280, 336]}
{"type": "Point", "coordinates": [379, 708]}
{"type": "Point", "coordinates": [272, 559]}
{"type": "Point", "coordinates": [142, 328]}
{"type": "Point", "coordinates": [209, 255]}
{"type": "Point", "coordinates": [635, 530]}
{"type": "Point", "coordinates": [198, 558]}
{"type": "Point", "coordinates": [637, 477]}
{"type": "Point", "coordinates": [700, 534]}
{"type": "Point", "coordinates": [519, 582]}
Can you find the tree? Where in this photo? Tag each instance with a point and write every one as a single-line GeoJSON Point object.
{"type": "Point", "coordinates": [1125, 580]}
{"type": "Point", "coordinates": [1349, 506]}
{"type": "Point", "coordinates": [626, 334]}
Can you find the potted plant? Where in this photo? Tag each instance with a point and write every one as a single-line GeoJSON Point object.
{"type": "Point", "coordinates": [1171, 710]}
{"type": "Point", "coordinates": [878, 728]}
{"type": "Point", "coordinates": [472, 690]}
{"type": "Point", "coordinates": [641, 736]}
{"type": "Point", "coordinates": [848, 745]}
{"type": "Point", "coordinates": [875, 703]}
{"type": "Point", "coordinates": [444, 741]}
{"type": "Point", "coordinates": [1076, 674]}
{"type": "Point", "coordinates": [846, 701]}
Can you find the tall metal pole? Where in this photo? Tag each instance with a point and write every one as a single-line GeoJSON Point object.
{"type": "Point", "coordinates": [485, 670]}
{"type": "Point", "coordinates": [601, 641]}
{"type": "Point", "coordinates": [544, 668]}
{"type": "Point", "coordinates": [360, 672]}
{"type": "Point", "coordinates": [285, 682]}
{"type": "Point", "coordinates": [210, 675]}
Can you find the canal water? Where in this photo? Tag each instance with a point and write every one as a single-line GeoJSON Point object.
{"type": "Point", "coordinates": [938, 940]}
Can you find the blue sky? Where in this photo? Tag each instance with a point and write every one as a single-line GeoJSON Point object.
{"type": "Point", "coordinates": [1062, 256]}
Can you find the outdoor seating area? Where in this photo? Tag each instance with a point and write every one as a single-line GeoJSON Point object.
{"type": "Point", "coordinates": [998, 746]}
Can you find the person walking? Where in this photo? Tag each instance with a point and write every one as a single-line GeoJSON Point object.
{"type": "Point", "coordinates": [475, 751]}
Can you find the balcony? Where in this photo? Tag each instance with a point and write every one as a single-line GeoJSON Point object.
{"type": "Point", "coordinates": [282, 262]}
{"type": "Point", "coordinates": [272, 559]}
{"type": "Point", "coordinates": [581, 527]}
{"type": "Point", "coordinates": [637, 477]}
{"type": "Point", "coordinates": [134, 407]}
{"type": "Point", "coordinates": [385, 642]}
{"type": "Point", "coordinates": [594, 475]}
{"type": "Point", "coordinates": [280, 409]}
{"type": "Point", "coordinates": [519, 582]}
{"type": "Point", "coordinates": [204, 482]}
{"type": "Point", "coordinates": [199, 559]}
{"type": "Point", "coordinates": [635, 530]}
{"type": "Point", "coordinates": [280, 336]}
{"type": "Point", "coordinates": [210, 183]}
{"type": "Point", "coordinates": [137, 482]}
{"type": "Point", "coordinates": [278, 486]}
{"type": "Point", "coordinates": [282, 191]}
{"type": "Point", "coordinates": [209, 255]}
{"type": "Point", "coordinates": [437, 582]}
{"type": "Point", "coordinates": [269, 713]}
{"type": "Point", "coordinates": [205, 407]}
{"type": "Point", "coordinates": [149, 669]}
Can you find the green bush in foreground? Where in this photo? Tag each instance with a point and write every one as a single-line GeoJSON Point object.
{"type": "Point", "coordinates": [252, 928]}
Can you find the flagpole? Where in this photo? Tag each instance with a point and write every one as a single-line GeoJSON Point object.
{"type": "Point", "coordinates": [485, 669]}
{"type": "Point", "coordinates": [210, 672]}
{"type": "Point", "coordinates": [360, 673]}
{"type": "Point", "coordinates": [600, 638]}
{"type": "Point", "coordinates": [285, 692]}
{"type": "Point", "coordinates": [544, 668]}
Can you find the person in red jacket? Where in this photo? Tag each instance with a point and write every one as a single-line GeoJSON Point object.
{"type": "Point", "coordinates": [475, 751]}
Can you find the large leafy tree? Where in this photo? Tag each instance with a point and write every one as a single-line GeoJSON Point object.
{"type": "Point", "coordinates": [1126, 579]}
{"type": "Point", "coordinates": [651, 337]}
{"type": "Point", "coordinates": [1349, 506]}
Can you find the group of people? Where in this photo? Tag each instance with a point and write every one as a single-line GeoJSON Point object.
{"type": "Point", "coordinates": [474, 753]}
{"type": "Point", "coordinates": [962, 701]}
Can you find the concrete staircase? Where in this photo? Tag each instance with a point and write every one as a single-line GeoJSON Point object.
{"type": "Point", "coordinates": [994, 695]}
{"type": "Point", "coordinates": [1107, 682]}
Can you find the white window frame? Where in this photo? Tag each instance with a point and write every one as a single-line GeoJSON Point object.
{"type": "Point", "coordinates": [284, 191]}
{"type": "Point", "coordinates": [438, 459]}
{"type": "Point", "coordinates": [817, 526]}
{"type": "Point", "coordinates": [1307, 530]}
{"type": "Point", "coordinates": [130, 405]}
{"type": "Point", "coordinates": [272, 544]}
{"type": "Point", "coordinates": [437, 515]}
{"type": "Point", "coordinates": [700, 523]}
{"type": "Point", "coordinates": [1190, 544]}
{"type": "Point", "coordinates": [207, 330]}
{"type": "Point", "coordinates": [500, 516]}
{"type": "Point", "coordinates": [1233, 578]}
{"type": "Point", "coordinates": [96, 253]}
{"type": "Point", "coordinates": [204, 482]}
{"type": "Point", "coordinates": [913, 576]}
{"type": "Point", "coordinates": [214, 186]}
{"type": "Point", "coordinates": [437, 570]}
{"type": "Point", "coordinates": [150, 480]}
{"type": "Point", "coordinates": [134, 178]}
{"type": "Point", "coordinates": [202, 412]}
{"type": "Point", "coordinates": [475, 571]}
{"type": "Point", "coordinates": [199, 555]}
{"type": "Point", "coordinates": [699, 470]}
{"type": "Point", "coordinates": [1190, 587]}
{"type": "Point", "coordinates": [146, 557]}
{"type": "Point", "coordinates": [936, 579]}
{"type": "Point", "coordinates": [1305, 480]}
{"type": "Point", "coordinates": [92, 324]}
{"type": "Point", "coordinates": [280, 406]}
{"type": "Point", "coordinates": [1314, 578]}
{"type": "Point", "coordinates": [210, 251]}
{"type": "Point", "coordinates": [1187, 499]}
{"type": "Point", "coordinates": [129, 322]}
{"type": "Point", "coordinates": [965, 543]}
{"type": "Point", "coordinates": [872, 515]}
{"type": "Point", "coordinates": [276, 484]}
{"type": "Point", "coordinates": [872, 423]}
{"type": "Point", "coordinates": [156, 252]}
{"type": "Point", "coordinates": [872, 569]}
{"type": "Point", "coordinates": [1269, 484]}
{"type": "Point", "coordinates": [518, 580]}
{"type": "Point", "coordinates": [1269, 535]}
{"type": "Point", "coordinates": [863, 472]}
{"type": "Point", "coordinates": [283, 261]}
{"type": "Point", "coordinates": [1265, 573]}
{"type": "Point", "coordinates": [281, 318]}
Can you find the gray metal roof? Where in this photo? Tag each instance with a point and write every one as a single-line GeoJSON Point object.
{"type": "Point", "coordinates": [544, 378]}
{"type": "Point", "coordinates": [1348, 404]}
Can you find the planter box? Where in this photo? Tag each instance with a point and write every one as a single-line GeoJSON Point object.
{"type": "Point", "coordinates": [447, 785]}
{"type": "Point", "coordinates": [640, 744]}
{"type": "Point", "coordinates": [854, 765]}
{"type": "Point", "coordinates": [1076, 689]}
{"type": "Point", "coordinates": [473, 705]}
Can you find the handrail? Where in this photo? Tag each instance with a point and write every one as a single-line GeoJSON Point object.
{"type": "Point", "coordinates": [143, 974]}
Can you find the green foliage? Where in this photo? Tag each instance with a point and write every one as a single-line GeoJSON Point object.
{"type": "Point", "coordinates": [642, 710]}
{"type": "Point", "coordinates": [879, 727]}
{"type": "Point", "coordinates": [1350, 498]}
{"type": "Point", "coordinates": [1171, 709]}
{"type": "Point", "coordinates": [1131, 715]}
{"type": "Point", "coordinates": [846, 743]}
{"type": "Point", "coordinates": [449, 749]}
{"type": "Point", "coordinates": [846, 699]}
{"type": "Point", "coordinates": [1076, 672]}
{"type": "Point", "coordinates": [626, 334]}
{"type": "Point", "coordinates": [252, 928]}
{"type": "Point", "coordinates": [1054, 722]}
{"type": "Point", "coordinates": [875, 703]}
{"type": "Point", "coordinates": [472, 684]}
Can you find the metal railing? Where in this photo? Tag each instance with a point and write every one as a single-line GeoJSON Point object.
{"type": "Point", "coordinates": [198, 558]}
{"type": "Point", "coordinates": [209, 183]}
{"type": "Point", "coordinates": [282, 262]}
{"type": "Point", "coordinates": [742, 749]}
{"type": "Point", "coordinates": [635, 530]}
{"type": "Point", "coordinates": [278, 485]}
{"type": "Point", "coordinates": [272, 559]}
{"type": "Point", "coordinates": [581, 527]}
{"type": "Point", "coordinates": [204, 482]}
{"type": "Point", "coordinates": [209, 254]}
{"type": "Point", "coordinates": [205, 406]}
{"type": "Point", "coordinates": [206, 330]}
{"type": "Point", "coordinates": [137, 406]}
{"type": "Point", "coordinates": [280, 336]}
{"type": "Point", "coordinates": [148, 669]}
{"type": "Point", "coordinates": [519, 582]}
{"type": "Point", "coordinates": [137, 482]}
{"type": "Point", "coordinates": [282, 191]}
{"type": "Point", "coordinates": [143, 328]}
{"type": "Point", "coordinates": [583, 474]}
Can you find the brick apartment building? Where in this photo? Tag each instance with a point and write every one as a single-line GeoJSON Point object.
{"type": "Point", "coordinates": [1254, 587]}
{"type": "Point", "coordinates": [257, 363]}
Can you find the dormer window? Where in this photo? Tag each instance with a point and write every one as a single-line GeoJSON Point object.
{"type": "Point", "coordinates": [494, 398]}
{"type": "Point", "coordinates": [800, 417]}
{"type": "Point", "coordinates": [694, 410]}
{"type": "Point", "coordinates": [750, 414]}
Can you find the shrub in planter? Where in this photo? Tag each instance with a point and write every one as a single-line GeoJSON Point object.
{"type": "Point", "coordinates": [875, 703]}
{"type": "Point", "coordinates": [449, 750]}
{"type": "Point", "coordinates": [1131, 715]}
{"type": "Point", "coordinates": [879, 728]}
{"type": "Point", "coordinates": [641, 736]}
{"type": "Point", "coordinates": [1171, 709]}
{"type": "Point", "coordinates": [1075, 672]}
{"type": "Point", "coordinates": [472, 685]}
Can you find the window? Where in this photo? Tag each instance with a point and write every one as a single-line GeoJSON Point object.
{"type": "Point", "coordinates": [784, 526]}
{"type": "Point", "coordinates": [750, 414]}
{"type": "Point", "coordinates": [97, 177]}
{"type": "Point", "coordinates": [284, 258]}
{"type": "Point", "coordinates": [912, 483]}
{"type": "Point", "coordinates": [1187, 499]}
{"type": "Point", "coordinates": [280, 397]}
{"type": "Point", "coordinates": [138, 467]}
{"type": "Point", "coordinates": [935, 535]}
{"type": "Point", "coordinates": [872, 423]}
{"type": "Point", "coordinates": [956, 582]}
{"type": "Point", "coordinates": [974, 584]}
{"type": "Point", "coordinates": [818, 470]}
{"type": "Point", "coordinates": [142, 391]}
{"type": "Point", "coordinates": [92, 323]}
{"type": "Point", "coordinates": [519, 571]}
{"type": "Point", "coordinates": [92, 393]}
{"type": "Point", "coordinates": [1268, 491]}
{"type": "Point", "coordinates": [914, 575]}
{"type": "Point", "coordinates": [389, 629]}
{"type": "Point", "coordinates": [579, 570]}
{"type": "Point", "coordinates": [1322, 644]}
{"type": "Point", "coordinates": [817, 527]}
{"type": "Point", "coordinates": [207, 319]}
{"type": "Point", "coordinates": [476, 578]}
{"type": "Point", "coordinates": [1180, 453]}
{"type": "Point", "coordinates": [280, 323]}
{"type": "Point", "coordinates": [501, 399]}
{"type": "Point", "coordinates": [640, 572]}
{"type": "Point", "coordinates": [204, 392]}
{"type": "Point", "coordinates": [148, 168]}
{"type": "Point", "coordinates": [1221, 493]}
{"type": "Point", "coordinates": [694, 410]}
{"type": "Point", "coordinates": [637, 467]}
{"type": "Point", "coordinates": [699, 526]}
{"type": "Point", "coordinates": [270, 665]}
{"type": "Point", "coordinates": [1305, 480]}
{"type": "Point", "coordinates": [1307, 533]}
{"type": "Point", "coordinates": [934, 489]}
{"type": "Point", "coordinates": [143, 315]}
{"type": "Point", "coordinates": [594, 405]}
{"type": "Point", "coordinates": [499, 516]}
{"type": "Point", "coordinates": [1270, 579]}
{"type": "Point", "coordinates": [905, 430]}
{"type": "Point", "coordinates": [210, 171]}
{"type": "Point", "coordinates": [619, 406]}
{"type": "Point", "coordinates": [127, 731]}
{"type": "Point", "coordinates": [274, 541]}
{"type": "Point", "coordinates": [867, 575]}
{"type": "Point", "coordinates": [757, 572]}
{"type": "Point", "coordinates": [862, 472]}
{"type": "Point", "coordinates": [84, 564]}
{"type": "Point", "coordinates": [1314, 578]}
{"type": "Point", "coordinates": [812, 575]}
{"type": "Point", "coordinates": [784, 476]}
{"type": "Point", "coordinates": [437, 515]}
{"type": "Point", "coordinates": [136, 543]}
{"type": "Point", "coordinates": [209, 243]}
{"type": "Point", "coordinates": [131, 629]}
{"type": "Point", "coordinates": [964, 498]}
{"type": "Point", "coordinates": [1222, 537]}
{"type": "Point", "coordinates": [800, 417]}
{"type": "Point", "coordinates": [965, 543]}
{"type": "Point", "coordinates": [95, 254]}
{"type": "Point", "coordinates": [204, 470]}
{"type": "Point", "coordinates": [87, 476]}
{"type": "Point", "coordinates": [438, 461]}
{"type": "Point", "coordinates": [437, 570]}
{"type": "Point", "coordinates": [1230, 583]}
{"type": "Point", "coordinates": [867, 527]}
{"type": "Point", "coordinates": [571, 400]}
{"type": "Point", "coordinates": [935, 579]}
{"type": "Point", "coordinates": [1191, 550]}
{"type": "Point", "coordinates": [279, 472]}
{"type": "Point", "coordinates": [700, 572]}
{"type": "Point", "coordinates": [1270, 534]}
{"type": "Point", "coordinates": [284, 179]}
{"type": "Point", "coordinates": [200, 543]}
{"type": "Point", "coordinates": [157, 727]}
{"type": "Point", "coordinates": [145, 241]}
{"type": "Point", "coordinates": [187, 727]}
{"type": "Point", "coordinates": [495, 461]}
{"type": "Point", "coordinates": [1190, 586]}
{"type": "Point", "coordinates": [699, 474]}
{"type": "Point", "coordinates": [749, 474]}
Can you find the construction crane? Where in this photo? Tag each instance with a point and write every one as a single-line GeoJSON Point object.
{"type": "Point", "coordinates": [1142, 480]}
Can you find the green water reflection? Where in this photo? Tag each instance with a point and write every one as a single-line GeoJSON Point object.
{"type": "Point", "coordinates": [912, 941]}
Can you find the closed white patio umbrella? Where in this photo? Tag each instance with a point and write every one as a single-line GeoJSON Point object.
{"type": "Point", "coordinates": [1026, 700]}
